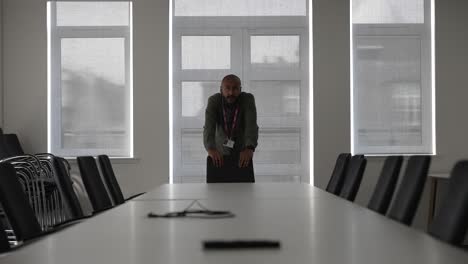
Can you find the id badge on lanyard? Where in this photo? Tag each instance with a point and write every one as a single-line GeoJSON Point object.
{"type": "Point", "coordinates": [229, 143]}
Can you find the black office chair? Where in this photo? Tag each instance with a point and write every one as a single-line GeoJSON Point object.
{"type": "Point", "coordinates": [37, 172]}
{"type": "Point", "coordinates": [385, 187]}
{"type": "Point", "coordinates": [12, 144]}
{"type": "Point", "coordinates": [229, 172]}
{"type": "Point", "coordinates": [94, 186]}
{"type": "Point", "coordinates": [111, 181]}
{"type": "Point", "coordinates": [4, 243]}
{"type": "Point", "coordinates": [339, 172]}
{"type": "Point", "coordinates": [3, 149]}
{"type": "Point", "coordinates": [409, 193]}
{"type": "Point", "coordinates": [16, 206]}
{"type": "Point", "coordinates": [66, 185]}
{"type": "Point", "coordinates": [353, 178]}
{"type": "Point", "coordinates": [451, 221]}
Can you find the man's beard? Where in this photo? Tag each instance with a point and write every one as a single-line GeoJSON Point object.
{"type": "Point", "coordinates": [231, 99]}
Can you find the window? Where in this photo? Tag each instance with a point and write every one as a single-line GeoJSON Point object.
{"type": "Point", "coordinates": [90, 78]}
{"type": "Point", "coordinates": [392, 77]}
{"type": "Point", "coordinates": [265, 43]}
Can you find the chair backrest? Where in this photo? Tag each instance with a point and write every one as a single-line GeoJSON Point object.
{"type": "Point", "coordinates": [4, 244]}
{"type": "Point", "coordinates": [409, 193]}
{"type": "Point", "coordinates": [385, 187]}
{"type": "Point", "coordinates": [451, 221]}
{"type": "Point", "coordinates": [339, 172]}
{"type": "Point", "coordinates": [353, 178]}
{"type": "Point", "coordinates": [111, 181]}
{"type": "Point", "coordinates": [66, 186]}
{"type": "Point", "coordinates": [15, 204]}
{"type": "Point", "coordinates": [230, 172]}
{"type": "Point", "coordinates": [12, 144]}
{"type": "Point", "coordinates": [3, 149]}
{"type": "Point", "coordinates": [95, 188]}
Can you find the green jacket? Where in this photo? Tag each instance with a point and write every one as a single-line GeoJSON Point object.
{"type": "Point", "coordinates": [246, 132]}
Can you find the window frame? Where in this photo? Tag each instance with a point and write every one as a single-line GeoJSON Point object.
{"type": "Point", "coordinates": [425, 33]}
{"type": "Point", "coordinates": [240, 30]}
{"type": "Point", "coordinates": [56, 34]}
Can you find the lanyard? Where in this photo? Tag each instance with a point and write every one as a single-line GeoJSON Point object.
{"type": "Point", "coordinates": [228, 132]}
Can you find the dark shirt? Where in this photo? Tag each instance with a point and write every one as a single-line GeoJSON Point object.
{"type": "Point", "coordinates": [246, 131]}
{"type": "Point", "coordinates": [230, 112]}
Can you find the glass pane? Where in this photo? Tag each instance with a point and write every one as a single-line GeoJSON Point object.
{"type": "Point", "coordinates": [240, 7]}
{"type": "Point", "coordinates": [95, 102]}
{"type": "Point", "coordinates": [274, 51]}
{"type": "Point", "coordinates": [388, 80]}
{"type": "Point", "coordinates": [274, 98]}
{"type": "Point", "coordinates": [93, 13]}
{"type": "Point", "coordinates": [195, 97]}
{"type": "Point", "coordinates": [388, 11]}
{"type": "Point", "coordinates": [193, 151]}
{"type": "Point", "coordinates": [279, 147]}
{"type": "Point", "coordinates": [206, 52]}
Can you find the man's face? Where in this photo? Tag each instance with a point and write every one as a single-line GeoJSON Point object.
{"type": "Point", "coordinates": [230, 90]}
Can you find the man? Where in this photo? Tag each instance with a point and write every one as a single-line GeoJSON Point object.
{"type": "Point", "coordinates": [231, 123]}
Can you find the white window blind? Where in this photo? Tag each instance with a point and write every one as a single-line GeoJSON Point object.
{"type": "Point", "coordinates": [392, 77]}
{"type": "Point", "coordinates": [203, 8]}
{"type": "Point", "coordinates": [90, 86]}
{"type": "Point", "coordinates": [265, 43]}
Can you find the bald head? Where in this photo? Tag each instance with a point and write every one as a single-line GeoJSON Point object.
{"type": "Point", "coordinates": [231, 78]}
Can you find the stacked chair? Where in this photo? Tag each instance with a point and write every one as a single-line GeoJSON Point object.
{"type": "Point", "coordinates": [36, 193]}
{"type": "Point", "coordinates": [4, 243]}
{"type": "Point", "coordinates": [16, 204]}
{"type": "Point", "coordinates": [38, 177]}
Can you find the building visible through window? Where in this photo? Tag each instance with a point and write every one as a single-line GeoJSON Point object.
{"type": "Point", "coordinates": [90, 86]}
{"type": "Point", "coordinates": [392, 73]}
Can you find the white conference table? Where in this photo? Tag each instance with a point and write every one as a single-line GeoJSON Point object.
{"type": "Point", "coordinates": [313, 227]}
{"type": "Point", "coordinates": [232, 191]}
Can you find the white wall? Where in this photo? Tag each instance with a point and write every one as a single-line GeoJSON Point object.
{"type": "Point", "coordinates": [331, 85]}
{"type": "Point", "coordinates": [25, 88]}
